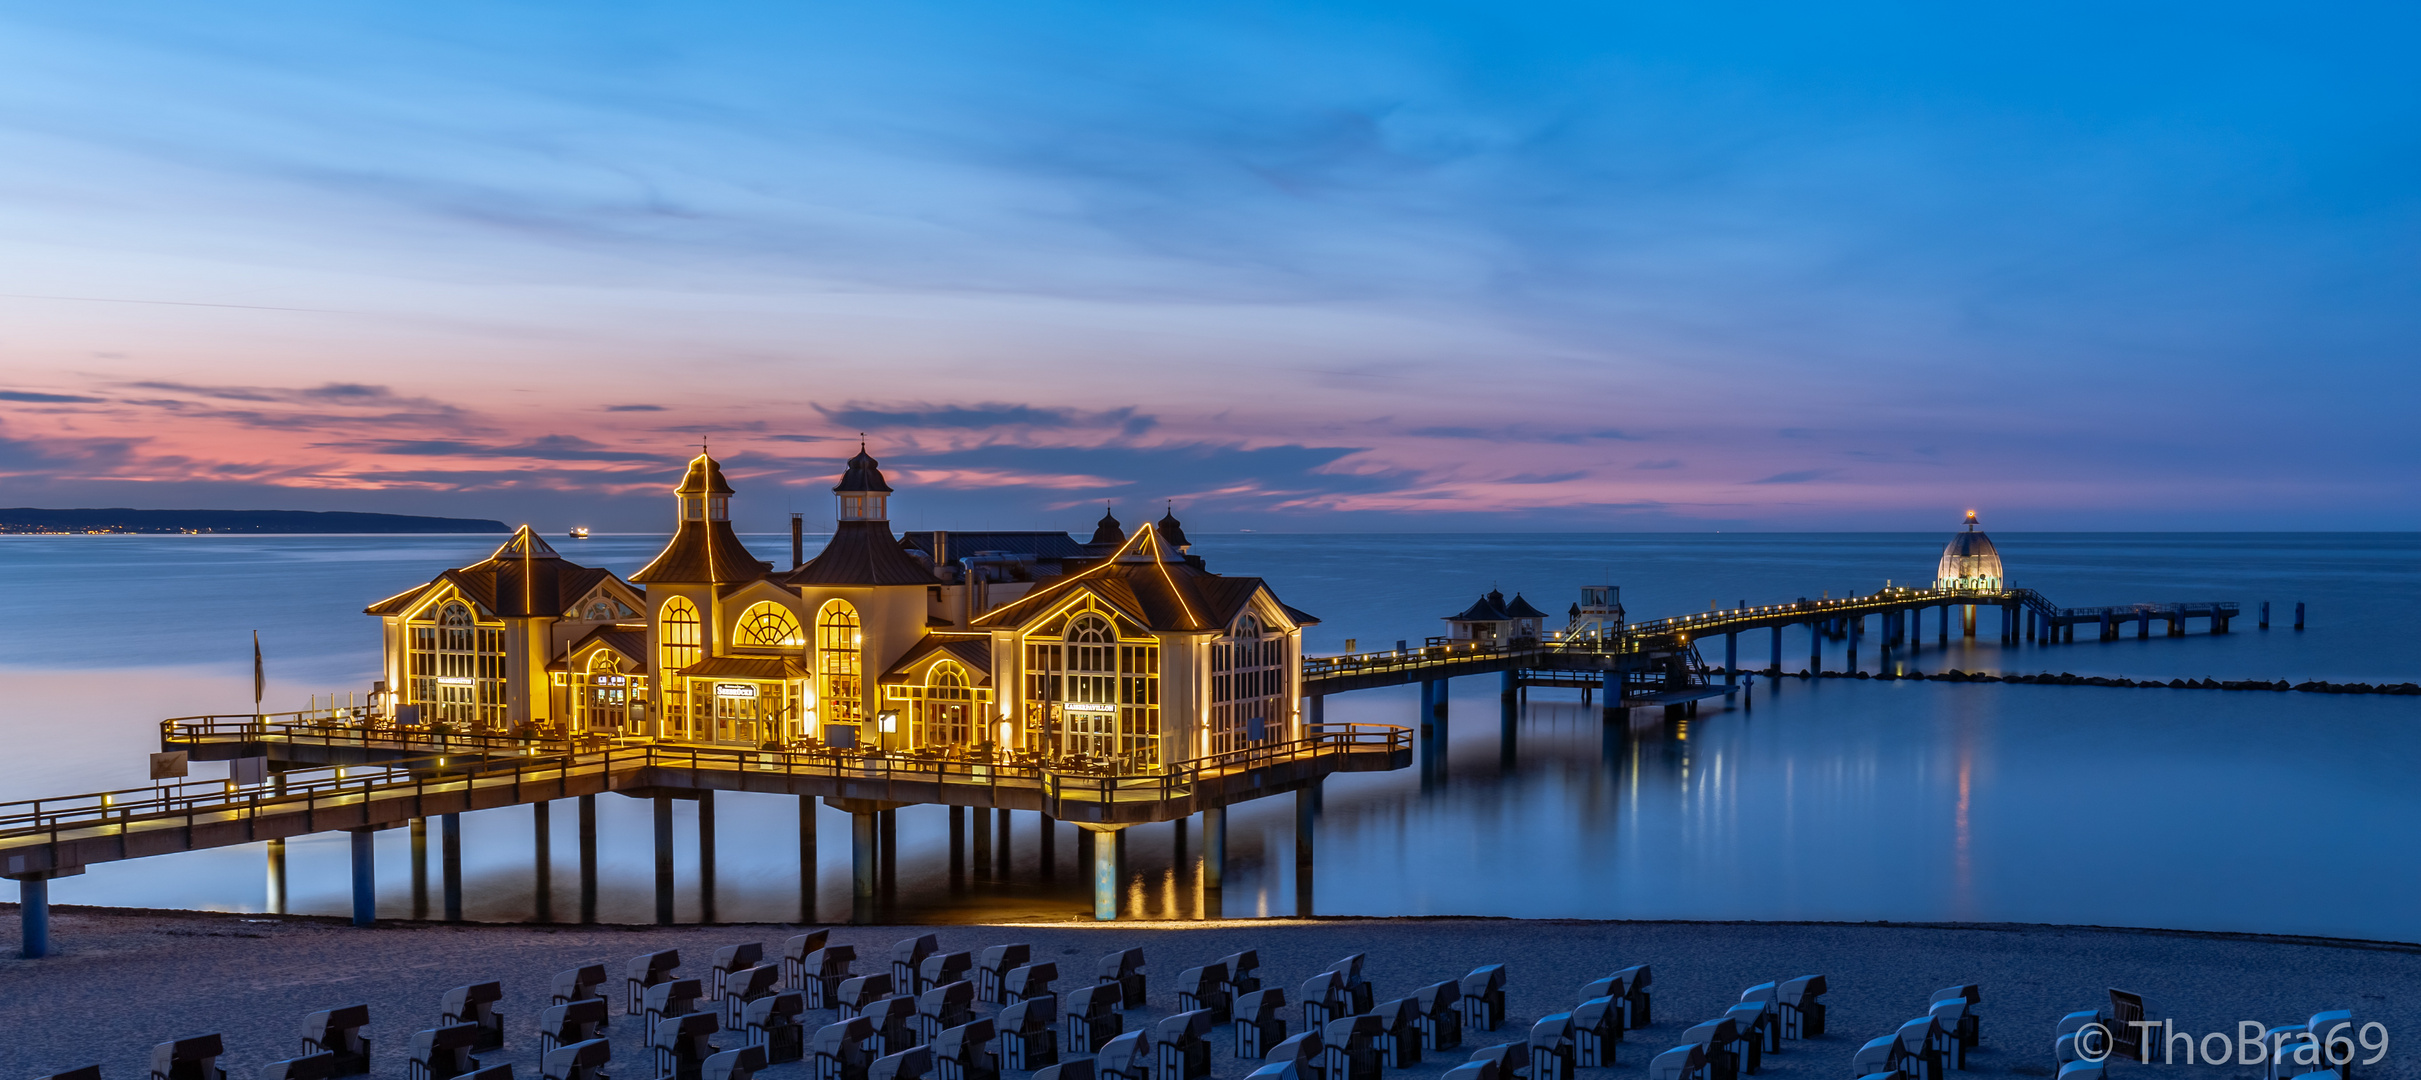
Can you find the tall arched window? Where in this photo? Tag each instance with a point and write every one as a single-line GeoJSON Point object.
{"type": "Point", "coordinates": [1098, 687]}
{"type": "Point", "coordinates": [839, 665]}
{"type": "Point", "coordinates": [768, 625]}
{"type": "Point", "coordinates": [457, 666]}
{"type": "Point", "coordinates": [945, 711]}
{"type": "Point", "coordinates": [1248, 686]}
{"type": "Point", "coordinates": [679, 643]}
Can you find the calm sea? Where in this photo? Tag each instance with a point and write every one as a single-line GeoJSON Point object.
{"type": "Point", "coordinates": [2285, 813]}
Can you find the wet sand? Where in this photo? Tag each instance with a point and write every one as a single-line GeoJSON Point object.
{"type": "Point", "coordinates": [124, 980]}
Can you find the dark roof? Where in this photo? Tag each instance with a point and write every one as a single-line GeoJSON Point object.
{"type": "Point", "coordinates": [705, 476]}
{"type": "Point", "coordinates": [865, 474]}
{"type": "Point", "coordinates": [523, 578]}
{"type": "Point", "coordinates": [1041, 545]}
{"type": "Point", "coordinates": [972, 650]}
{"type": "Point", "coordinates": [1521, 609]}
{"type": "Point", "coordinates": [1300, 616]}
{"type": "Point", "coordinates": [1489, 608]}
{"type": "Point", "coordinates": [1107, 531]}
{"type": "Point", "coordinates": [631, 643]}
{"type": "Point", "coordinates": [861, 553]}
{"type": "Point", "coordinates": [703, 552]}
{"type": "Point", "coordinates": [1149, 581]}
{"type": "Point", "coordinates": [1171, 530]}
{"type": "Point", "coordinates": [745, 667]}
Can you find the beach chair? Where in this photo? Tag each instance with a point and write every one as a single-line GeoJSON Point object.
{"type": "Point", "coordinates": [1596, 1032]}
{"type": "Point", "coordinates": [1921, 1049]}
{"type": "Point", "coordinates": [1441, 1015]}
{"type": "Point", "coordinates": [1028, 981]}
{"type": "Point", "coordinates": [1881, 1054]}
{"type": "Point", "coordinates": [1550, 1047]}
{"type": "Point", "coordinates": [1971, 1022]}
{"type": "Point", "coordinates": [585, 1060]}
{"type": "Point", "coordinates": [1357, 988]}
{"type": "Point", "coordinates": [913, 1063]}
{"type": "Point", "coordinates": [1635, 980]}
{"type": "Point", "coordinates": [1029, 1037]}
{"type": "Point", "coordinates": [1511, 1060]}
{"type": "Point", "coordinates": [1077, 1069]}
{"type": "Point", "coordinates": [440, 1053]}
{"type": "Point", "coordinates": [907, 955]}
{"type": "Point", "coordinates": [944, 1006]}
{"type": "Point", "coordinates": [1283, 1070]}
{"type": "Point", "coordinates": [795, 951]}
{"type": "Point", "coordinates": [1616, 988]}
{"type": "Point", "coordinates": [2126, 1039]}
{"type": "Point", "coordinates": [1399, 1031]}
{"type": "Point", "coordinates": [965, 1053]}
{"type": "Point", "coordinates": [306, 1067]}
{"type": "Point", "coordinates": [728, 959]}
{"type": "Point", "coordinates": [744, 986]}
{"type": "Point", "coordinates": [1800, 1002]}
{"type": "Point", "coordinates": [1684, 1062]}
{"type": "Point", "coordinates": [1759, 1019]}
{"type": "Point", "coordinates": [682, 1047]}
{"type": "Point", "coordinates": [1472, 1070]}
{"type": "Point", "coordinates": [476, 1004]}
{"type": "Point", "coordinates": [1260, 1022]}
{"type": "Point", "coordinates": [860, 992]}
{"type": "Point", "coordinates": [1483, 998]}
{"type": "Point", "coordinates": [80, 1072]}
{"type": "Point", "coordinates": [1324, 999]}
{"type": "Point", "coordinates": [1092, 1018]}
{"type": "Point", "coordinates": [339, 1031]}
{"type": "Point", "coordinates": [1181, 1046]}
{"type": "Point", "coordinates": [777, 1023]}
{"type": "Point", "coordinates": [1949, 1017]}
{"type": "Point", "coordinates": [643, 971]}
{"type": "Point", "coordinates": [2083, 1070]}
{"type": "Point", "coordinates": [2329, 1029]}
{"type": "Point", "coordinates": [1720, 1039]}
{"type": "Point", "coordinates": [894, 1020]}
{"type": "Point", "coordinates": [840, 1051]}
{"type": "Point", "coordinates": [1749, 1036]}
{"type": "Point", "coordinates": [499, 1071]}
{"type": "Point", "coordinates": [738, 1063]}
{"type": "Point", "coordinates": [1243, 972]}
{"type": "Point", "coordinates": [1127, 1057]}
{"type": "Point", "coordinates": [568, 1023]}
{"type": "Point", "coordinates": [825, 970]}
{"type": "Point", "coordinates": [993, 967]}
{"type": "Point", "coordinates": [1205, 987]}
{"type": "Point", "coordinates": [1123, 969]}
{"type": "Point", "coordinates": [578, 984]}
{"type": "Point", "coordinates": [665, 1000]}
{"type": "Point", "coordinates": [942, 969]}
{"type": "Point", "coordinates": [1349, 1048]}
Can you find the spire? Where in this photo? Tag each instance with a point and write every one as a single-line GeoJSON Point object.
{"type": "Point", "coordinates": [1107, 530]}
{"type": "Point", "coordinates": [1971, 522]}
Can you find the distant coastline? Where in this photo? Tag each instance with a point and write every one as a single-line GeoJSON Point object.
{"type": "Point", "coordinates": [122, 521]}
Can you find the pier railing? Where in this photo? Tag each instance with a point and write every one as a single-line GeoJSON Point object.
{"type": "Point", "coordinates": [353, 726]}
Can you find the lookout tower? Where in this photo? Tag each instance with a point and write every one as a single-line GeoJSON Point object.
{"type": "Point", "coordinates": [1969, 562]}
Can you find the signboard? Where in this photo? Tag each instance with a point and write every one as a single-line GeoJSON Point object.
{"type": "Point", "coordinates": [1090, 707]}
{"type": "Point", "coordinates": [735, 690]}
{"type": "Point", "coordinates": [453, 680]}
{"type": "Point", "coordinates": [168, 766]}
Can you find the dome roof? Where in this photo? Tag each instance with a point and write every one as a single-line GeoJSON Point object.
{"type": "Point", "coordinates": [705, 477]}
{"type": "Point", "coordinates": [865, 474]}
{"type": "Point", "coordinates": [1108, 531]}
{"type": "Point", "coordinates": [1171, 530]}
{"type": "Point", "coordinates": [1969, 560]}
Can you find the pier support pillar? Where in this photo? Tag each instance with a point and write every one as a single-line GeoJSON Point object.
{"type": "Point", "coordinates": [2298, 614]}
{"type": "Point", "coordinates": [887, 850]}
{"type": "Point", "coordinates": [1086, 839]}
{"type": "Point", "coordinates": [706, 857]}
{"type": "Point", "coordinates": [1107, 874]}
{"type": "Point", "coordinates": [588, 859]}
{"type": "Point", "coordinates": [1857, 629]}
{"type": "Point", "coordinates": [1731, 659]}
{"type": "Point", "coordinates": [1048, 854]}
{"type": "Point", "coordinates": [277, 877]}
{"type": "Point", "coordinates": [1944, 625]}
{"type": "Point", "coordinates": [1307, 814]}
{"type": "Point", "coordinates": [807, 858]}
{"type": "Point", "coordinates": [2264, 624]}
{"type": "Point", "coordinates": [958, 846]}
{"type": "Point", "coordinates": [33, 911]}
{"type": "Point", "coordinates": [1004, 862]}
{"type": "Point", "coordinates": [542, 840]}
{"type": "Point", "coordinates": [1214, 847]}
{"type": "Point", "coordinates": [862, 834]}
{"type": "Point", "coordinates": [1815, 646]}
{"type": "Point", "coordinates": [1774, 665]}
{"type": "Point", "coordinates": [1967, 621]}
{"type": "Point", "coordinates": [1509, 715]}
{"type": "Point", "coordinates": [420, 868]}
{"type": "Point", "coordinates": [449, 864]}
{"type": "Point", "coordinates": [2143, 625]}
{"type": "Point", "coordinates": [1433, 706]}
{"type": "Point", "coordinates": [365, 876]}
{"type": "Point", "coordinates": [982, 828]}
{"type": "Point", "coordinates": [664, 859]}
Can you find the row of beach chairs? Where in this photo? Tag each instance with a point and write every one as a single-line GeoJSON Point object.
{"type": "Point", "coordinates": [1926, 1047]}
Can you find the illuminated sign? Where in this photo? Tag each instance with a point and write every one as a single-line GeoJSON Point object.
{"type": "Point", "coordinates": [453, 682]}
{"type": "Point", "coordinates": [608, 680]}
{"type": "Point", "coordinates": [735, 690]}
{"type": "Point", "coordinates": [1092, 707]}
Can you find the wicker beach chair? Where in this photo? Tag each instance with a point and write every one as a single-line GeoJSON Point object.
{"type": "Point", "coordinates": [1123, 969]}
{"type": "Point", "coordinates": [339, 1031]}
{"type": "Point", "coordinates": [568, 1023]}
{"type": "Point", "coordinates": [475, 1003]}
{"type": "Point", "coordinates": [1205, 987]}
{"type": "Point", "coordinates": [440, 1053]}
{"type": "Point", "coordinates": [728, 959]}
{"type": "Point", "coordinates": [646, 970]}
{"type": "Point", "coordinates": [942, 969]}
{"type": "Point", "coordinates": [795, 951]}
{"type": "Point", "coordinates": [585, 1060]}
{"type": "Point", "coordinates": [1092, 1017]}
{"type": "Point", "coordinates": [1181, 1046]}
{"type": "Point", "coordinates": [776, 1022]}
{"type": "Point", "coordinates": [992, 970]}
{"type": "Point", "coordinates": [738, 1063]}
{"type": "Point", "coordinates": [840, 1051]}
{"type": "Point", "coordinates": [965, 1052]}
{"type": "Point", "coordinates": [1029, 1038]}
{"type": "Point", "coordinates": [907, 955]}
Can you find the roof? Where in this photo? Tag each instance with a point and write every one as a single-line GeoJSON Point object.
{"type": "Point", "coordinates": [1041, 545]}
{"type": "Point", "coordinates": [1107, 531]}
{"type": "Point", "coordinates": [1149, 581]}
{"type": "Point", "coordinates": [705, 477]}
{"type": "Point", "coordinates": [864, 474]}
{"type": "Point", "coordinates": [523, 578]}
{"type": "Point", "coordinates": [1521, 609]}
{"type": "Point", "coordinates": [631, 643]}
{"type": "Point", "coordinates": [1171, 530]}
{"type": "Point", "coordinates": [1488, 608]}
{"type": "Point", "coordinates": [745, 667]}
{"type": "Point", "coordinates": [862, 553]}
{"type": "Point", "coordinates": [973, 651]}
{"type": "Point", "coordinates": [703, 552]}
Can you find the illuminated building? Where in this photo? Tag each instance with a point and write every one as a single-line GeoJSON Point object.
{"type": "Point", "coordinates": [1969, 562]}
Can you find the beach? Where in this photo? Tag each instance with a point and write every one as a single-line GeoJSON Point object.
{"type": "Point", "coordinates": [123, 979]}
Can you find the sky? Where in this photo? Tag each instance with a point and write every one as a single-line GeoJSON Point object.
{"type": "Point", "coordinates": [1303, 266]}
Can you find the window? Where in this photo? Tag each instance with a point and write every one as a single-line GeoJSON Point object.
{"type": "Point", "coordinates": [457, 667]}
{"type": "Point", "coordinates": [1095, 690]}
{"type": "Point", "coordinates": [679, 643]}
{"type": "Point", "coordinates": [944, 713]}
{"type": "Point", "coordinates": [1248, 687]}
{"type": "Point", "coordinates": [839, 661]}
{"type": "Point", "coordinates": [768, 625]}
{"type": "Point", "coordinates": [601, 694]}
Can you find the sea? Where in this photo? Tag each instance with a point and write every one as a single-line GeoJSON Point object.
{"type": "Point", "coordinates": [1915, 801]}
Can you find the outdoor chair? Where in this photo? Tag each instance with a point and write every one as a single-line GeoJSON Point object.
{"type": "Point", "coordinates": [908, 954]}
{"type": "Point", "coordinates": [1260, 1022]}
{"type": "Point", "coordinates": [1920, 1051]}
{"type": "Point", "coordinates": [1596, 1031]}
{"type": "Point", "coordinates": [942, 969]}
{"type": "Point", "coordinates": [1636, 980]}
{"type": "Point", "coordinates": [1441, 1016]}
{"type": "Point", "coordinates": [1971, 1022]}
{"type": "Point", "coordinates": [1717, 1038]}
{"type": "Point", "coordinates": [563, 1025]}
{"type": "Point", "coordinates": [795, 951]}
{"type": "Point", "coordinates": [1127, 1057]}
{"type": "Point", "coordinates": [1550, 1047]}
{"type": "Point", "coordinates": [965, 1053]}
{"type": "Point", "coordinates": [840, 1051]}
{"type": "Point", "coordinates": [945, 1006]}
{"type": "Point", "coordinates": [1123, 969]}
{"type": "Point", "coordinates": [1880, 1055]}
{"type": "Point", "coordinates": [1181, 1046]}
{"type": "Point", "coordinates": [476, 1004]}
{"type": "Point", "coordinates": [1757, 1033]}
{"type": "Point", "coordinates": [728, 959]}
{"type": "Point", "coordinates": [739, 1063]}
{"type": "Point", "coordinates": [1684, 1062]}
{"type": "Point", "coordinates": [1759, 1012]}
{"type": "Point", "coordinates": [1399, 1031]}
{"type": "Point", "coordinates": [1026, 982]}
{"type": "Point", "coordinates": [894, 1020]}
{"type": "Point", "coordinates": [1078, 1069]}
{"type": "Point", "coordinates": [80, 1072]}
{"type": "Point", "coordinates": [2126, 1040]}
{"type": "Point", "coordinates": [1616, 988]}
{"type": "Point", "coordinates": [1511, 1060]}
{"type": "Point", "coordinates": [1028, 1038]}
{"type": "Point", "coordinates": [1091, 1018]}
{"type": "Point", "coordinates": [1324, 1000]}
{"type": "Point", "coordinates": [776, 1022]}
{"type": "Point", "coordinates": [912, 1063]}
{"type": "Point", "coordinates": [993, 968]}
{"type": "Point", "coordinates": [1205, 987]}
{"type": "Point", "coordinates": [306, 1067]}
{"type": "Point", "coordinates": [1472, 1070]}
{"type": "Point", "coordinates": [437, 1053]}
{"type": "Point", "coordinates": [1301, 1051]}
{"type": "Point", "coordinates": [681, 1045]}
{"type": "Point", "coordinates": [1349, 1048]}
{"type": "Point", "coordinates": [338, 1031]}
{"type": "Point", "coordinates": [746, 985]}
{"type": "Point", "coordinates": [1801, 1007]}
{"type": "Point", "coordinates": [861, 991]}
{"type": "Point", "coordinates": [1949, 1016]}
{"type": "Point", "coordinates": [665, 1000]}
{"type": "Point", "coordinates": [644, 971]}
{"type": "Point", "coordinates": [499, 1071]}
{"type": "Point", "coordinates": [1283, 1070]}
{"type": "Point", "coordinates": [1483, 998]}
{"type": "Point", "coordinates": [576, 1061]}
{"type": "Point", "coordinates": [579, 984]}
{"type": "Point", "coordinates": [824, 971]}
{"type": "Point", "coordinates": [1357, 988]}
{"type": "Point", "coordinates": [1243, 972]}
{"type": "Point", "coordinates": [2324, 1028]}
{"type": "Point", "coordinates": [2083, 1070]}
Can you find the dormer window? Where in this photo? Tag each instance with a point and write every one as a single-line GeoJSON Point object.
{"type": "Point", "coordinates": [864, 506]}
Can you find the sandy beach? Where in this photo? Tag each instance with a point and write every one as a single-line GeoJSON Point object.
{"type": "Point", "coordinates": [124, 980]}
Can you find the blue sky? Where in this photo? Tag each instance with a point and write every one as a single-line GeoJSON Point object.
{"type": "Point", "coordinates": [1293, 266]}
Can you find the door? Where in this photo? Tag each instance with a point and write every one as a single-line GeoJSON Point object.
{"type": "Point", "coordinates": [457, 704]}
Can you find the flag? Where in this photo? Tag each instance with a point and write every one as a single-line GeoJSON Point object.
{"type": "Point", "coordinates": [259, 683]}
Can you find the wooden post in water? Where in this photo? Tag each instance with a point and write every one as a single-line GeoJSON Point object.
{"type": "Point", "coordinates": [2298, 614]}
{"type": "Point", "coordinates": [543, 861]}
{"type": "Point", "coordinates": [958, 847]}
{"type": "Point", "coordinates": [277, 877]}
{"type": "Point", "coordinates": [588, 859]}
{"type": "Point", "coordinates": [420, 868]}
{"type": "Point", "coordinates": [1049, 853]}
{"type": "Point", "coordinates": [449, 864]}
{"type": "Point", "coordinates": [706, 857]}
{"type": "Point", "coordinates": [365, 876]}
{"type": "Point", "coordinates": [664, 859]}
{"type": "Point", "coordinates": [1214, 848]}
{"type": "Point", "coordinates": [807, 858]}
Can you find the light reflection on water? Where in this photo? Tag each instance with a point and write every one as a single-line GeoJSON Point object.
{"type": "Point", "coordinates": [2282, 813]}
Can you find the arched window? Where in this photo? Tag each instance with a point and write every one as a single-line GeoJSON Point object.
{"type": "Point", "coordinates": [1097, 688]}
{"type": "Point", "coordinates": [945, 709]}
{"type": "Point", "coordinates": [457, 667]}
{"type": "Point", "coordinates": [601, 695]}
{"type": "Point", "coordinates": [768, 625]}
{"type": "Point", "coordinates": [1248, 686]}
{"type": "Point", "coordinates": [680, 643]}
{"type": "Point", "coordinates": [839, 665]}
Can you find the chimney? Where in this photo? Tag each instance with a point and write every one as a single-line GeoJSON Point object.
{"type": "Point", "coordinates": [798, 541]}
{"type": "Point", "coordinates": [941, 548]}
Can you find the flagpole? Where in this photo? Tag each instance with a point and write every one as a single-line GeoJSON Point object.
{"type": "Point", "coordinates": [258, 683]}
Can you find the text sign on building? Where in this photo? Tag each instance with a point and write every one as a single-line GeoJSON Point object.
{"type": "Point", "coordinates": [735, 690]}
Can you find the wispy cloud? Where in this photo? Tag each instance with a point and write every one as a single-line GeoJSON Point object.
{"type": "Point", "coordinates": [634, 408]}
{"type": "Point", "coordinates": [35, 397]}
{"type": "Point", "coordinates": [1799, 477]}
{"type": "Point", "coordinates": [984, 416]}
{"type": "Point", "coordinates": [543, 448]}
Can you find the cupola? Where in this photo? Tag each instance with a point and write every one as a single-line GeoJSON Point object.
{"type": "Point", "coordinates": [863, 494]}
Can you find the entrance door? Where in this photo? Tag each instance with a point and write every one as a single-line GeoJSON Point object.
{"type": "Point", "coordinates": [456, 704]}
{"type": "Point", "coordinates": [737, 717]}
